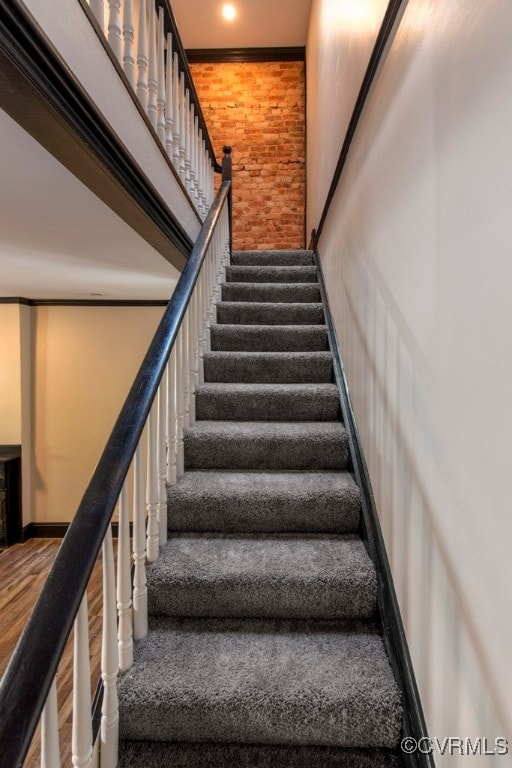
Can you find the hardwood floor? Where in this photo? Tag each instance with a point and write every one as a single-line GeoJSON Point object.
{"type": "Point", "coordinates": [23, 569]}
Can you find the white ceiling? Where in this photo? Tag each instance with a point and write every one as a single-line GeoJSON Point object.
{"type": "Point", "coordinates": [59, 241]}
{"type": "Point", "coordinates": [259, 23]}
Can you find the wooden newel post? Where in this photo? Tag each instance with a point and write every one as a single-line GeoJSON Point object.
{"type": "Point", "coordinates": [227, 175]}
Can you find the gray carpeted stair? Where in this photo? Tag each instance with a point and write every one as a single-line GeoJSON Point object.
{"type": "Point", "coordinates": [263, 576]}
{"type": "Point", "coordinates": [299, 293]}
{"type": "Point", "coordinates": [268, 402]}
{"type": "Point", "coordinates": [266, 445]}
{"type": "Point", "coordinates": [272, 258]}
{"type": "Point", "coordinates": [261, 682]}
{"type": "Point", "coordinates": [262, 650]}
{"type": "Point", "coordinates": [268, 367]}
{"type": "Point", "coordinates": [268, 313]}
{"type": "Point", "coordinates": [268, 338]}
{"type": "Point", "coordinates": [268, 502]}
{"type": "Point", "coordinates": [271, 275]}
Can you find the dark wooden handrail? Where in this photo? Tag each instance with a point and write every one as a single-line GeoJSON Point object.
{"type": "Point", "coordinates": [33, 665]}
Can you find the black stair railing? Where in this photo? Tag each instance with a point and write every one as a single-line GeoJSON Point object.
{"type": "Point", "coordinates": [161, 397]}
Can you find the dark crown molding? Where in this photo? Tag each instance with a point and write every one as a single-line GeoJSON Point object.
{"type": "Point", "coordinates": [83, 302]}
{"type": "Point", "coordinates": [242, 55]}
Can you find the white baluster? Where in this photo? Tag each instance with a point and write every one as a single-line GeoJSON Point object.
{"type": "Point", "coordinates": [180, 405]}
{"type": "Point", "coordinates": [183, 106]}
{"type": "Point", "coordinates": [142, 58]}
{"type": "Point", "coordinates": [192, 357]}
{"type": "Point", "coordinates": [161, 463]}
{"type": "Point", "coordinates": [192, 170]}
{"type": "Point", "coordinates": [211, 309]}
{"type": "Point", "coordinates": [185, 361]}
{"type": "Point", "coordinates": [202, 319]}
{"type": "Point", "coordinates": [198, 330]}
{"type": "Point", "coordinates": [140, 592]}
{"type": "Point", "coordinates": [152, 70]}
{"type": "Point", "coordinates": [152, 489]}
{"type": "Point", "coordinates": [171, 418]}
{"type": "Point", "coordinates": [200, 171]}
{"type": "Point", "coordinates": [169, 100]}
{"type": "Point", "coordinates": [129, 37]}
{"type": "Point", "coordinates": [114, 27]}
{"type": "Point", "coordinates": [195, 174]}
{"type": "Point", "coordinates": [161, 78]}
{"type": "Point", "coordinates": [187, 140]}
{"type": "Point", "coordinates": [109, 729]}
{"type": "Point", "coordinates": [50, 750]}
{"type": "Point", "coordinates": [176, 114]}
{"type": "Point", "coordinates": [81, 738]}
{"type": "Point", "coordinates": [99, 12]}
{"type": "Point", "coordinates": [124, 586]}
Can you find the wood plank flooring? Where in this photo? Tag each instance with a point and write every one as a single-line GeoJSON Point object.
{"type": "Point", "coordinates": [23, 569]}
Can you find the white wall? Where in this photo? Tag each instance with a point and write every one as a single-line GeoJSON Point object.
{"type": "Point", "coordinates": [416, 253]}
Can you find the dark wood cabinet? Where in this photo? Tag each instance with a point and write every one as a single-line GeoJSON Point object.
{"type": "Point", "coordinates": [10, 495]}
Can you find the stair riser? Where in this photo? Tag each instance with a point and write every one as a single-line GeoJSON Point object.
{"type": "Point", "coordinates": [142, 754]}
{"type": "Point", "coordinates": [267, 407]}
{"type": "Point", "coordinates": [220, 367]}
{"type": "Point", "coordinates": [268, 339]}
{"type": "Point", "coordinates": [272, 258]}
{"type": "Point", "coordinates": [301, 293]}
{"type": "Point", "coordinates": [265, 453]}
{"type": "Point", "coordinates": [241, 313]}
{"type": "Point", "coordinates": [271, 275]}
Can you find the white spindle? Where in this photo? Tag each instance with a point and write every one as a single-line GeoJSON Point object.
{"type": "Point", "coordinates": [191, 334]}
{"type": "Point", "coordinates": [202, 319]}
{"type": "Point", "coordinates": [161, 463]}
{"type": "Point", "coordinates": [187, 140]}
{"type": "Point", "coordinates": [142, 58]}
{"type": "Point", "coordinates": [183, 106]}
{"type": "Point", "coordinates": [195, 174]}
{"type": "Point", "coordinates": [109, 729]}
{"type": "Point", "coordinates": [152, 69]}
{"type": "Point", "coordinates": [200, 173]}
{"type": "Point", "coordinates": [176, 114]}
{"type": "Point", "coordinates": [114, 27]}
{"type": "Point", "coordinates": [169, 100]}
{"type": "Point", "coordinates": [152, 488]}
{"type": "Point", "coordinates": [81, 738]}
{"type": "Point", "coordinates": [171, 418]}
{"type": "Point", "coordinates": [99, 12]}
{"type": "Point", "coordinates": [192, 141]}
{"type": "Point", "coordinates": [124, 586]}
{"type": "Point", "coordinates": [140, 592]}
{"type": "Point", "coordinates": [180, 405]}
{"type": "Point", "coordinates": [128, 38]}
{"type": "Point", "coordinates": [185, 359]}
{"type": "Point", "coordinates": [161, 78]}
{"type": "Point", "coordinates": [50, 750]}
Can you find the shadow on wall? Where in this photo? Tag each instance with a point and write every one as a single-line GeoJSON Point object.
{"type": "Point", "coordinates": [393, 405]}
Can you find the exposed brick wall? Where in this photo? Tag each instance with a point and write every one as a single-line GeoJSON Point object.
{"type": "Point", "coordinates": [259, 109]}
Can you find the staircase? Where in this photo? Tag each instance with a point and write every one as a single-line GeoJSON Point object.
{"type": "Point", "coordinates": [263, 649]}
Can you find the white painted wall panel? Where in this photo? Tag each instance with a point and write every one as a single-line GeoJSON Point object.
{"type": "Point", "coordinates": [416, 252]}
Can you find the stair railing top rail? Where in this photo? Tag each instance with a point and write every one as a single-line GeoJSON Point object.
{"type": "Point", "coordinates": [28, 680]}
{"type": "Point", "coordinates": [143, 42]}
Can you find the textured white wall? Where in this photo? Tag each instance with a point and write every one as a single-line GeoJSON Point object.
{"type": "Point", "coordinates": [416, 253]}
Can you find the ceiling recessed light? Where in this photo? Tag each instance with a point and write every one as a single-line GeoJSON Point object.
{"type": "Point", "coordinates": [229, 11]}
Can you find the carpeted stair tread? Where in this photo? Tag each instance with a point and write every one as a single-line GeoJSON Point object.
{"type": "Point", "coordinates": [266, 445]}
{"type": "Point", "coordinates": [268, 502]}
{"type": "Point", "coordinates": [270, 274]}
{"type": "Point", "coordinates": [145, 754]}
{"type": "Point", "coordinates": [268, 367]}
{"type": "Point", "coordinates": [268, 338]}
{"type": "Point", "coordinates": [285, 258]}
{"type": "Point", "coordinates": [261, 682]}
{"type": "Point", "coordinates": [268, 402]}
{"type": "Point", "coordinates": [272, 292]}
{"type": "Point", "coordinates": [268, 313]}
{"type": "Point", "coordinates": [286, 576]}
